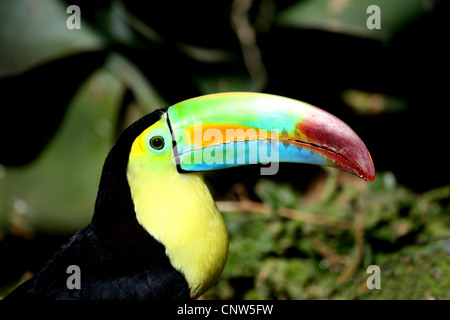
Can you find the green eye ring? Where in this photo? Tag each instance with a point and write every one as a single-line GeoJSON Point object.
{"type": "Point", "coordinates": [157, 142]}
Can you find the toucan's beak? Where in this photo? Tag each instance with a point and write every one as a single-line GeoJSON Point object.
{"type": "Point", "coordinates": [231, 129]}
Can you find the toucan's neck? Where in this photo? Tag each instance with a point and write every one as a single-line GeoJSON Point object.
{"type": "Point", "coordinates": [114, 213]}
{"type": "Point", "coordinates": [114, 209]}
{"type": "Point", "coordinates": [179, 211]}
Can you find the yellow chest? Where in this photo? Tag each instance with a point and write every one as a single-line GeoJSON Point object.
{"type": "Point", "coordinates": [178, 211]}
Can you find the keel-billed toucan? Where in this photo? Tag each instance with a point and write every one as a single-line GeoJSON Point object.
{"type": "Point", "coordinates": [156, 232]}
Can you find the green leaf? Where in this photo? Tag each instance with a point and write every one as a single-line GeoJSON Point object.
{"type": "Point", "coordinates": [147, 97]}
{"type": "Point", "coordinates": [250, 242]}
{"type": "Point", "coordinates": [350, 16]}
{"type": "Point", "coordinates": [277, 194]}
{"type": "Point", "coordinates": [57, 191]}
{"type": "Point", "coordinates": [34, 32]}
{"type": "Point", "coordinates": [283, 278]}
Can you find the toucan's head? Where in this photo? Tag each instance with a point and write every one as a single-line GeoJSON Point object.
{"type": "Point", "coordinates": [166, 152]}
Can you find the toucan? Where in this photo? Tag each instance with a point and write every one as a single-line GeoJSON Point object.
{"type": "Point", "coordinates": [156, 232]}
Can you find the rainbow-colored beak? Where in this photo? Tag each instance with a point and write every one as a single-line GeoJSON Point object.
{"type": "Point", "coordinates": [232, 129]}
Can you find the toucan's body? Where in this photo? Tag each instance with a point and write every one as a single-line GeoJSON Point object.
{"type": "Point", "coordinates": [108, 272]}
{"type": "Point", "coordinates": [156, 232]}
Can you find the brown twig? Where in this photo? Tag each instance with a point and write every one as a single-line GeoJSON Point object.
{"type": "Point", "coordinates": [257, 207]}
{"type": "Point", "coordinates": [314, 219]}
{"type": "Point", "coordinates": [328, 253]}
{"type": "Point", "coordinates": [246, 35]}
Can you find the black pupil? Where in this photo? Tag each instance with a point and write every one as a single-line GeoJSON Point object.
{"type": "Point", "coordinates": [157, 142]}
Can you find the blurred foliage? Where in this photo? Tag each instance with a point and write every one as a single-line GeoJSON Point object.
{"type": "Point", "coordinates": [68, 169]}
{"type": "Point", "coordinates": [405, 234]}
{"type": "Point", "coordinates": [345, 16]}
{"type": "Point", "coordinates": [67, 94]}
{"type": "Point", "coordinates": [31, 35]}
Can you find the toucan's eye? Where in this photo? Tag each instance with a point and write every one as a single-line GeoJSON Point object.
{"type": "Point", "coordinates": [157, 142]}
